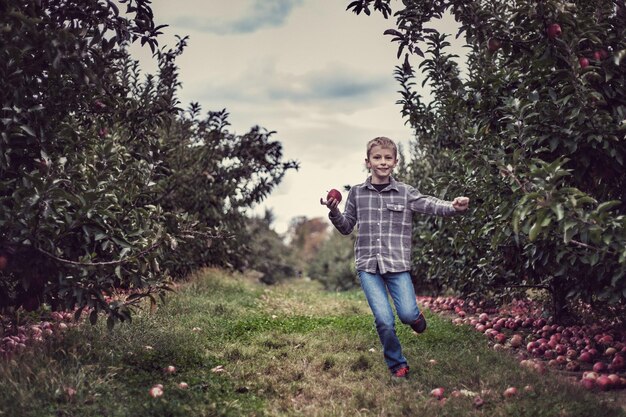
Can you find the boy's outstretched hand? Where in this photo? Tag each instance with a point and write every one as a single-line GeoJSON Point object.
{"type": "Point", "coordinates": [460, 203]}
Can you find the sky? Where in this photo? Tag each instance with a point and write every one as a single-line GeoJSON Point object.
{"type": "Point", "coordinates": [317, 74]}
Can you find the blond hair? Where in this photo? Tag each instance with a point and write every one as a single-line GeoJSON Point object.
{"type": "Point", "coordinates": [383, 142]}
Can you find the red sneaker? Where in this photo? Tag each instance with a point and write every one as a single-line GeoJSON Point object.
{"type": "Point", "coordinates": [400, 374]}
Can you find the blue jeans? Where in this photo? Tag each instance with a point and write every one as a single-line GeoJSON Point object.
{"type": "Point", "coordinates": [400, 287]}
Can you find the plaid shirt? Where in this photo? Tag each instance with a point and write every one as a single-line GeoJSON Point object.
{"type": "Point", "coordinates": [384, 223]}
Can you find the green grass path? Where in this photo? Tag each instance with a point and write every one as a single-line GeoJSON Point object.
{"type": "Point", "coordinates": [288, 350]}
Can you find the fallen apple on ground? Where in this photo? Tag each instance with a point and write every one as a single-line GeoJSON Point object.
{"type": "Point", "coordinates": [156, 391]}
{"type": "Point", "coordinates": [437, 393]}
{"type": "Point", "coordinates": [586, 351]}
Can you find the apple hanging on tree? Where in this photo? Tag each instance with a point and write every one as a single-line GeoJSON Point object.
{"type": "Point", "coordinates": [493, 44]}
{"type": "Point", "coordinates": [584, 62]}
{"type": "Point", "coordinates": [554, 30]}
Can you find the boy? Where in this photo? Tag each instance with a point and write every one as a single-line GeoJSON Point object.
{"type": "Point", "coordinates": [382, 210]}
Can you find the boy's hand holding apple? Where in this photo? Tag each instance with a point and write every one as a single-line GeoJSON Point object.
{"type": "Point", "coordinates": [333, 198]}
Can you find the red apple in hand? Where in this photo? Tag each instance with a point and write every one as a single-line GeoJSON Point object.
{"type": "Point", "coordinates": [331, 194]}
{"type": "Point", "coordinates": [334, 194]}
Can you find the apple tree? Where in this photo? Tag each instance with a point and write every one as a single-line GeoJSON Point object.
{"type": "Point", "coordinates": [213, 176]}
{"type": "Point", "coordinates": [105, 183]}
{"type": "Point", "coordinates": [530, 124]}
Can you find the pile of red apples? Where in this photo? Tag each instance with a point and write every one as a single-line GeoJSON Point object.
{"type": "Point", "coordinates": [16, 339]}
{"type": "Point", "coordinates": [594, 354]}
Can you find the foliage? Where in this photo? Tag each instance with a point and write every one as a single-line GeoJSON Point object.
{"type": "Point", "coordinates": [306, 237]}
{"type": "Point", "coordinates": [266, 252]}
{"type": "Point", "coordinates": [104, 182]}
{"type": "Point", "coordinates": [334, 265]}
{"type": "Point", "coordinates": [531, 133]}
{"type": "Point", "coordinates": [215, 175]}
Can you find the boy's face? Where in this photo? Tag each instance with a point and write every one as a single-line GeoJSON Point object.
{"type": "Point", "coordinates": [381, 162]}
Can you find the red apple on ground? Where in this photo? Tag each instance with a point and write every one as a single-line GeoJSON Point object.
{"type": "Point", "coordinates": [588, 383]}
{"type": "Point", "coordinates": [478, 402]}
{"type": "Point", "coordinates": [590, 375]}
{"type": "Point", "coordinates": [516, 341]}
{"type": "Point", "coordinates": [572, 366]}
{"type": "Point", "coordinates": [183, 385]}
{"type": "Point", "coordinates": [437, 393]}
{"type": "Point", "coordinates": [615, 380]}
{"type": "Point", "coordinates": [4, 261]}
{"type": "Point", "coordinates": [599, 367]}
{"type": "Point", "coordinates": [510, 392]}
{"type": "Point", "coordinates": [156, 391]}
{"type": "Point", "coordinates": [617, 363]}
{"type": "Point", "coordinates": [603, 382]}
{"type": "Point", "coordinates": [169, 369]}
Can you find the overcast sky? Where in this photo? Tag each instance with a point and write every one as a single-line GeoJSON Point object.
{"type": "Point", "coordinates": [318, 75]}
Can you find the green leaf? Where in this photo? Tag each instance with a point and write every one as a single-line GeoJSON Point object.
{"type": "Point", "coordinates": [534, 231]}
{"type": "Point", "coordinates": [28, 130]}
{"type": "Point", "coordinates": [608, 205]}
{"type": "Point", "coordinates": [558, 210]}
{"type": "Point", "coordinates": [569, 230]}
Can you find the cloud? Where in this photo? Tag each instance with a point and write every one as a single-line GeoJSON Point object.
{"type": "Point", "coordinates": [259, 14]}
{"type": "Point", "coordinates": [330, 84]}
{"type": "Point", "coordinates": [334, 85]}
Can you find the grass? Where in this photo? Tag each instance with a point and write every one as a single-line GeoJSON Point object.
{"type": "Point", "coordinates": [287, 350]}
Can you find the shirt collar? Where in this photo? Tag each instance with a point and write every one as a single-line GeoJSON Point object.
{"type": "Point", "coordinates": [393, 184]}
